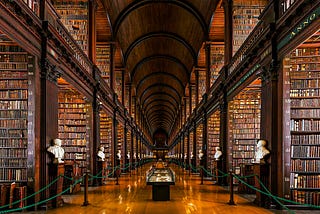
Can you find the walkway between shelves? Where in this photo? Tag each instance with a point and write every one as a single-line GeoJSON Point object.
{"type": "Point", "coordinates": [132, 195]}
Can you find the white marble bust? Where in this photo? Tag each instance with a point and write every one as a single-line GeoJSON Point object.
{"type": "Point", "coordinates": [261, 151]}
{"type": "Point", "coordinates": [57, 151]}
{"type": "Point", "coordinates": [128, 155]}
{"type": "Point", "coordinates": [200, 154]}
{"type": "Point", "coordinates": [119, 155]}
{"type": "Point", "coordinates": [101, 154]}
{"type": "Point", "coordinates": [218, 153]}
{"type": "Point", "coordinates": [191, 155]}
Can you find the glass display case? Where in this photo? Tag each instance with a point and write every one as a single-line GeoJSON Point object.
{"type": "Point", "coordinates": [160, 179]}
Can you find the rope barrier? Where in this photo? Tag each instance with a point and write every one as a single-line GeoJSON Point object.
{"type": "Point", "coordinates": [265, 190]}
{"type": "Point", "coordinates": [41, 202]}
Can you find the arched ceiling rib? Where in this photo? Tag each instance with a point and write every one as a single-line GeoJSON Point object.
{"type": "Point", "coordinates": [160, 41]}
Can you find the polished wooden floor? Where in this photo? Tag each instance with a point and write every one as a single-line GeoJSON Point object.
{"type": "Point", "coordinates": [132, 195]}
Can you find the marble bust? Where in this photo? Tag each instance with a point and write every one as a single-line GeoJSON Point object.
{"type": "Point", "coordinates": [200, 154]}
{"type": "Point", "coordinates": [101, 154]}
{"type": "Point", "coordinates": [119, 155]}
{"type": "Point", "coordinates": [57, 151]}
{"type": "Point", "coordinates": [218, 153]}
{"type": "Point", "coordinates": [261, 151]}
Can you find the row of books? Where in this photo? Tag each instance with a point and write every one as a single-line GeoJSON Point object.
{"type": "Point", "coordinates": [305, 83]}
{"type": "Point", "coordinates": [13, 75]}
{"type": "Point", "coordinates": [13, 174]}
{"type": "Point", "coordinates": [13, 152]}
{"type": "Point", "coordinates": [241, 128]}
{"type": "Point", "coordinates": [305, 67]}
{"type": "Point", "coordinates": [12, 133]}
{"type": "Point", "coordinates": [14, 58]}
{"type": "Point", "coordinates": [20, 123]}
{"type": "Point", "coordinates": [305, 151]}
{"type": "Point", "coordinates": [14, 104]}
{"type": "Point", "coordinates": [10, 48]}
{"type": "Point", "coordinates": [309, 92]}
{"type": "Point", "coordinates": [11, 83]}
{"type": "Point", "coordinates": [75, 149]}
{"type": "Point", "coordinates": [243, 154]}
{"type": "Point", "coordinates": [305, 124]}
{"type": "Point", "coordinates": [77, 136]}
{"type": "Point", "coordinates": [248, 135]}
{"type": "Point", "coordinates": [69, 122]}
{"type": "Point", "coordinates": [19, 113]}
{"type": "Point", "coordinates": [312, 139]}
{"type": "Point", "coordinates": [305, 52]}
{"type": "Point", "coordinates": [304, 103]}
{"type": "Point", "coordinates": [10, 162]}
{"type": "Point", "coordinates": [63, 128]}
{"type": "Point", "coordinates": [13, 142]}
{"type": "Point", "coordinates": [305, 181]}
{"type": "Point", "coordinates": [14, 94]}
{"type": "Point", "coordinates": [74, 142]}
{"type": "Point", "coordinates": [75, 156]}
{"type": "Point", "coordinates": [72, 115]}
{"type": "Point", "coordinates": [67, 103]}
{"type": "Point", "coordinates": [306, 197]}
{"type": "Point", "coordinates": [306, 113]}
{"type": "Point", "coordinates": [295, 75]}
{"type": "Point", "coordinates": [13, 66]}
{"type": "Point", "coordinates": [299, 165]}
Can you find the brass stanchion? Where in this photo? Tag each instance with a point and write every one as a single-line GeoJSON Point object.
{"type": "Point", "coordinates": [231, 201]}
{"type": "Point", "coordinates": [201, 173]}
{"type": "Point", "coordinates": [117, 176]}
{"type": "Point", "coordinates": [86, 183]}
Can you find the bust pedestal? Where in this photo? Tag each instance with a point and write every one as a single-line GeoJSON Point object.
{"type": "Point", "coordinates": [54, 171]}
{"type": "Point", "coordinates": [102, 167]}
{"type": "Point", "coordinates": [262, 171]}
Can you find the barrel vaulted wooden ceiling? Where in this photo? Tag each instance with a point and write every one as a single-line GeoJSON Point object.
{"type": "Point", "coordinates": [159, 45]}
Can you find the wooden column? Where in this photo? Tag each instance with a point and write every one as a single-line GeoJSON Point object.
{"type": "Point", "coordinates": [125, 160]}
{"type": "Point", "coordinates": [271, 125]}
{"type": "Point", "coordinates": [123, 86]}
{"type": "Point", "coordinates": [197, 86]}
{"type": "Point", "coordinates": [112, 68]}
{"type": "Point", "coordinates": [228, 30]}
{"type": "Point", "coordinates": [205, 140]}
{"type": "Point", "coordinates": [114, 138]}
{"type": "Point", "coordinates": [224, 137]}
{"type": "Point", "coordinates": [92, 31]}
{"type": "Point", "coordinates": [208, 63]}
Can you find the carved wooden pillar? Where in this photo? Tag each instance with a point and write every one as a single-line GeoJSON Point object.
{"type": "Point", "coordinates": [228, 30]}
{"type": "Point", "coordinates": [208, 63]}
{"type": "Point", "coordinates": [197, 86]}
{"type": "Point", "coordinates": [224, 137]}
{"type": "Point", "coordinates": [271, 128]}
{"type": "Point", "coordinates": [95, 127]}
{"type": "Point", "coordinates": [205, 140]}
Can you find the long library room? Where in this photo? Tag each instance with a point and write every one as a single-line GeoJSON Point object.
{"type": "Point", "coordinates": [111, 106]}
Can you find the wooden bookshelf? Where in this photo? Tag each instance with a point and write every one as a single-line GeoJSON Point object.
{"type": "Point", "coordinates": [245, 18]}
{"type": "Point", "coordinates": [244, 125]}
{"type": "Point", "coordinates": [199, 142]}
{"type": "Point", "coordinates": [106, 135]}
{"type": "Point", "coordinates": [201, 84]}
{"type": "Point", "coordinates": [303, 67]}
{"type": "Point", "coordinates": [213, 138]}
{"type": "Point", "coordinates": [119, 82]}
{"type": "Point", "coordinates": [120, 142]}
{"type": "Point", "coordinates": [216, 61]}
{"type": "Point", "coordinates": [74, 16]}
{"type": "Point", "coordinates": [14, 90]}
{"type": "Point", "coordinates": [103, 60]}
{"type": "Point", "coordinates": [73, 127]}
